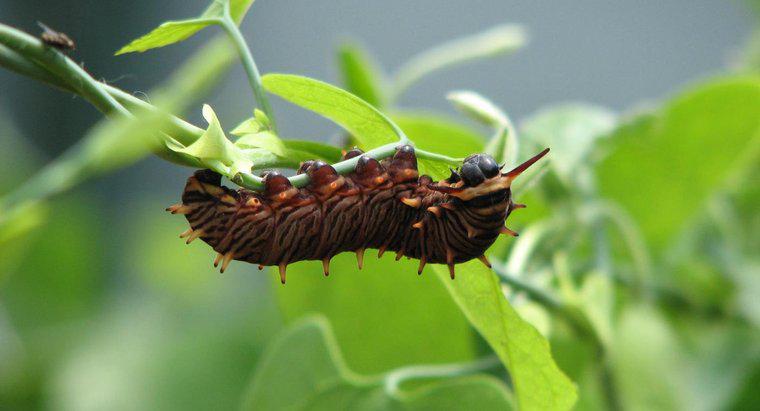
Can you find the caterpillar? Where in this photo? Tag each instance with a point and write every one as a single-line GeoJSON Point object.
{"type": "Point", "coordinates": [384, 205]}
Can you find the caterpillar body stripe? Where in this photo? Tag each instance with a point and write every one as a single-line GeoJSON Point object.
{"type": "Point", "coordinates": [384, 205]}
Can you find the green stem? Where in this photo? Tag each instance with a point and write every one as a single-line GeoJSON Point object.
{"type": "Point", "coordinates": [180, 130]}
{"type": "Point", "coordinates": [58, 64]}
{"type": "Point", "coordinates": [251, 71]}
{"type": "Point", "coordinates": [437, 157]}
{"type": "Point", "coordinates": [27, 56]}
{"type": "Point", "coordinates": [344, 167]}
{"type": "Point", "coordinates": [394, 379]}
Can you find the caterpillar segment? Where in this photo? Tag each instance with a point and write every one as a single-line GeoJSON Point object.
{"type": "Point", "coordinates": [384, 205]}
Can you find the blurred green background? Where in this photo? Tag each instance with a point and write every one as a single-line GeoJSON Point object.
{"type": "Point", "coordinates": [643, 226]}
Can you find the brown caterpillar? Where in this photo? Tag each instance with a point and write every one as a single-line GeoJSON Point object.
{"type": "Point", "coordinates": [384, 205]}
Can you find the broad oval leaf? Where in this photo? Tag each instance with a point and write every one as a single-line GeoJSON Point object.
{"type": "Point", "coordinates": [538, 382]}
{"type": "Point", "coordinates": [313, 150]}
{"type": "Point", "coordinates": [368, 125]}
{"type": "Point", "coordinates": [303, 369]}
{"type": "Point", "coordinates": [438, 134]}
{"type": "Point", "coordinates": [664, 165]}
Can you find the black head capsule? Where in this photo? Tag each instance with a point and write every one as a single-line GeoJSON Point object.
{"type": "Point", "coordinates": [485, 163]}
{"type": "Point", "coordinates": [471, 174]}
{"type": "Point", "coordinates": [488, 166]}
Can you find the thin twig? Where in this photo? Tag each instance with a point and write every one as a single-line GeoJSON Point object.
{"type": "Point", "coordinates": [249, 65]}
{"type": "Point", "coordinates": [58, 64]}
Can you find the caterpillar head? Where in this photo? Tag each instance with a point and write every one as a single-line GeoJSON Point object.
{"type": "Point", "coordinates": [480, 175]}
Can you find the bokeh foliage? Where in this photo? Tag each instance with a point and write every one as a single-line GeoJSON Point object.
{"type": "Point", "coordinates": [632, 286]}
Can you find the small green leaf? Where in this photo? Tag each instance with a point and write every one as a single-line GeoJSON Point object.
{"type": "Point", "coordinates": [360, 75]}
{"type": "Point", "coordinates": [497, 40]}
{"type": "Point", "coordinates": [664, 165]}
{"type": "Point", "coordinates": [248, 126]}
{"type": "Point", "coordinates": [303, 369]}
{"type": "Point", "coordinates": [172, 32]}
{"type": "Point", "coordinates": [167, 33]}
{"type": "Point", "coordinates": [538, 382]}
{"type": "Point", "coordinates": [214, 146]}
{"type": "Point", "coordinates": [262, 119]}
{"type": "Point", "coordinates": [478, 108]}
{"type": "Point", "coordinates": [238, 9]}
{"type": "Point", "coordinates": [264, 139]}
{"type": "Point", "coordinates": [370, 127]}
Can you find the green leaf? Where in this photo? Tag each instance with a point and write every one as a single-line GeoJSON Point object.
{"type": "Point", "coordinates": [571, 131]}
{"type": "Point", "coordinates": [314, 149]}
{"type": "Point", "coordinates": [248, 126]}
{"type": "Point", "coordinates": [478, 108]}
{"type": "Point", "coordinates": [266, 140]}
{"type": "Point", "coordinates": [402, 303]}
{"type": "Point", "coordinates": [239, 8]}
{"type": "Point", "coordinates": [360, 75]}
{"type": "Point", "coordinates": [258, 123]}
{"type": "Point", "coordinates": [538, 382]}
{"type": "Point", "coordinates": [167, 33]}
{"type": "Point", "coordinates": [303, 369]}
{"type": "Point", "coordinates": [370, 127]}
{"type": "Point", "coordinates": [665, 165]}
{"type": "Point", "coordinates": [172, 32]}
{"type": "Point", "coordinates": [213, 146]}
{"type": "Point", "coordinates": [438, 134]}
{"type": "Point", "coordinates": [649, 372]}
{"type": "Point", "coordinates": [497, 40]}
{"type": "Point", "coordinates": [262, 119]}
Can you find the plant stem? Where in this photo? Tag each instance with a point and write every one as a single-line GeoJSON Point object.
{"type": "Point", "coordinates": [394, 379]}
{"type": "Point", "coordinates": [344, 167]}
{"type": "Point", "coordinates": [437, 157]}
{"type": "Point", "coordinates": [28, 56]}
{"type": "Point", "coordinates": [58, 64]}
{"type": "Point", "coordinates": [251, 71]}
{"type": "Point", "coordinates": [181, 130]}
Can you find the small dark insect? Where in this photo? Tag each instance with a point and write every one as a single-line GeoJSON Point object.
{"type": "Point", "coordinates": [384, 205]}
{"type": "Point", "coordinates": [55, 38]}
